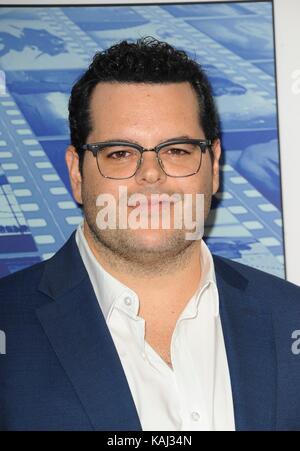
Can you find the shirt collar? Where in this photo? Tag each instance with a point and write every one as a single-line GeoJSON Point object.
{"type": "Point", "coordinates": [109, 290]}
{"type": "Point", "coordinates": [208, 278]}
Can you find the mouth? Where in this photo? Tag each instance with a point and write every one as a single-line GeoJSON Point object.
{"type": "Point", "coordinates": [154, 200]}
{"type": "Point", "coordinates": [151, 204]}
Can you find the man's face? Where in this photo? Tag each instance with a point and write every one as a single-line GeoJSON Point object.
{"type": "Point", "coordinates": [147, 114]}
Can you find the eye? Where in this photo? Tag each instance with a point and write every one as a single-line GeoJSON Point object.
{"type": "Point", "coordinates": [177, 151]}
{"type": "Point", "coordinates": [119, 154]}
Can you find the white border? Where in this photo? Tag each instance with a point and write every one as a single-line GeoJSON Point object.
{"type": "Point", "coordinates": [287, 38]}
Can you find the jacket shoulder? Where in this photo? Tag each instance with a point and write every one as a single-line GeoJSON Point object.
{"type": "Point", "coordinates": [21, 286]}
{"type": "Point", "coordinates": [264, 287]}
{"type": "Point", "coordinates": [32, 287]}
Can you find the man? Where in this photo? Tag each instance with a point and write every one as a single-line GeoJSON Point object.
{"type": "Point", "coordinates": [130, 328]}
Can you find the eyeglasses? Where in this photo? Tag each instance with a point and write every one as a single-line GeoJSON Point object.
{"type": "Point", "coordinates": [121, 159]}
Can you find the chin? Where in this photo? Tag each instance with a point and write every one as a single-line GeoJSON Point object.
{"type": "Point", "coordinates": [156, 240]}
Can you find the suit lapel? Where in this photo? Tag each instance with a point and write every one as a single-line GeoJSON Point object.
{"type": "Point", "coordinates": [78, 333]}
{"type": "Point", "coordinates": [250, 351]}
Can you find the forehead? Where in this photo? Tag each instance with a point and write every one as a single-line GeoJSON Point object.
{"type": "Point", "coordinates": [143, 105]}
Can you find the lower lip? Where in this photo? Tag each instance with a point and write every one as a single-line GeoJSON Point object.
{"type": "Point", "coordinates": [158, 210]}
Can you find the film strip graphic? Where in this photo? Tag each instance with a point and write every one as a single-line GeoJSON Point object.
{"type": "Point", "coordinates": [210, 51]}
{"type": "Point", "coordinates": [35, 190]}
{"type": "Point", "coordinates": [82, 46]}
{"type": "Point", "coordinates": [252, 223]}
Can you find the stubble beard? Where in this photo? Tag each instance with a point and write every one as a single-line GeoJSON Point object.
{"type": "Point", "coordinates": [162, 252]}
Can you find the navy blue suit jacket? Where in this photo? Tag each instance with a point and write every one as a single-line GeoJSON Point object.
{"type": "Point", "coordinates": [61, 370]}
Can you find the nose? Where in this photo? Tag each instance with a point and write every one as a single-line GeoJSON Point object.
{"type": "Point", "coordinates": [149, 170]}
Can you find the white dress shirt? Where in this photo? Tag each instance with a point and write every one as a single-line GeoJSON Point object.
{"type": "Point", "coordinates": [193, 395]}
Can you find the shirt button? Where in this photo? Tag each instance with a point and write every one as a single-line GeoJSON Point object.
{"type": "Point", "coordinates": [195, 416]}
{"type": "Point", "coordinates": [128, 301]}
{"type": "Point", "coordinates": [144, 355]}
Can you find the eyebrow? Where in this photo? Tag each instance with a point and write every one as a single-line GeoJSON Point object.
{"type": "Point", "coordinates": [129, 141]}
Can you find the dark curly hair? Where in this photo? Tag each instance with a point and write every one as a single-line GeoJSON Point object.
{"type": "Point", "coordinates": [145, 61]}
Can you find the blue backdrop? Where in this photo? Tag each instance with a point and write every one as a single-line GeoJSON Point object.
{"type": "Point", "coordinates": [43, 50]}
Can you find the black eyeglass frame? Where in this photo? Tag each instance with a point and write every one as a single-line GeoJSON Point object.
{"type": "Point", "coordinates": [98, 146]}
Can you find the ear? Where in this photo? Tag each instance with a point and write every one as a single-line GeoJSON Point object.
{"type": "Point", "coordinates": [216, 147]}
{"type": "Point", "coordinates": [72, 160]}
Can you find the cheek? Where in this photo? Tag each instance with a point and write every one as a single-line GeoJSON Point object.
{"type": "Point", "coordinates": [200, 183]}
{"type": "Point", "coordinates": [92, 181]}
{"type": "Point", "coordinates": [90, 168]}
{"type": "Point", "coordinates": [205, 176]}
